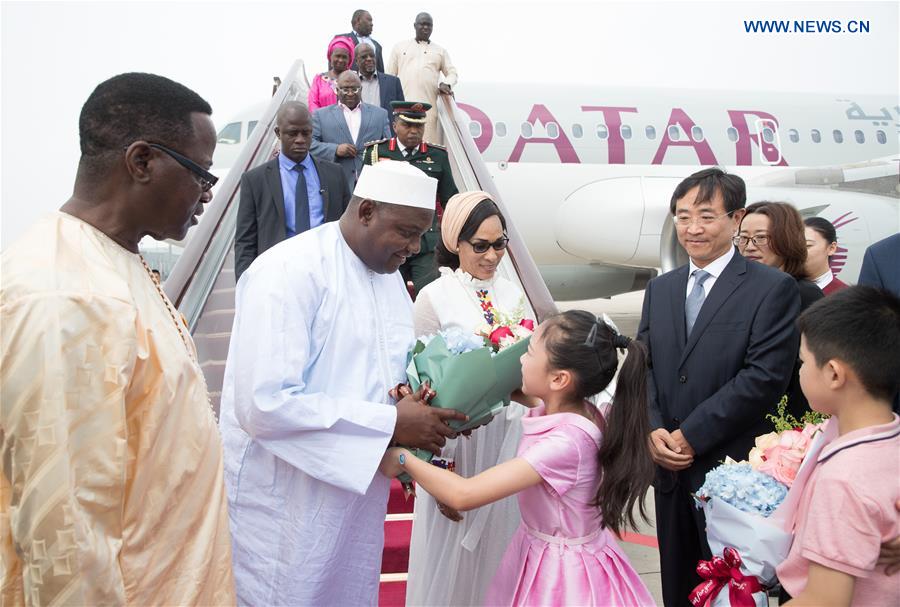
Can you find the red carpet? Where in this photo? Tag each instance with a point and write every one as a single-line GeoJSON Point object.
{"type": "Point", "coordinates": [395, 558]}
{"type": "Point", "coordinates": [392, 594]}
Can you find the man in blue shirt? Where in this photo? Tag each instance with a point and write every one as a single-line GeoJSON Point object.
{"type": "Point", "coordinates": [288, 194]}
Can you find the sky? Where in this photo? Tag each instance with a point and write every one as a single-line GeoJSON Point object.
{"type": "Point", "coordinates": [52, 55]}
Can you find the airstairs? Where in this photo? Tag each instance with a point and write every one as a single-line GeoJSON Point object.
{"type": "Point", "coordinates": [202, 284]}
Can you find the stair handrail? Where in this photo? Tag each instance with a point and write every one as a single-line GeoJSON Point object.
{"type": "Point", "coordinates": [476, 176]}
{"type": "Point", "coordinates": [194, 274]}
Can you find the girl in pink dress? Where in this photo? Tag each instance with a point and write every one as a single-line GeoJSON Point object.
{"type": "Point", "coordinates": [577, 474]}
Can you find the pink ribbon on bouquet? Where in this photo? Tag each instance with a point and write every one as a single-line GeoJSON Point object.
{"type": "Point", "coordinates": [718, 572]}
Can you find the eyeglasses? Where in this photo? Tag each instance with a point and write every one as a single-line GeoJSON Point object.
{"type": "Point", "coordinates": [758, 241]}
{"type": "Point", "coordinates": [704, 219]}
{"type": "Point", "coordinates": [349, 90]}
{"type": "Point", "coordinates": [481, 246]}
{"type": "Point", "coordinates": [206, 179]}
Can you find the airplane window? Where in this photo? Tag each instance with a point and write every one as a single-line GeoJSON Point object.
{"type": "Point", "coordinates": [602, 131]}
{"type": "Point", "coordinates": [650, 131]}
{"type": "Point", "coordinates": [860, 136]}
{"type": "Point", "coordinates": [674, 132]}
{"type": "Point", "coordinates": [577, 131]}
{"type": "Point", "coordinates": [475, 129]}
{"type": "Point", "coordinates": [500, 129]}
{"type": "Point", "coordinates": [768, 135]}
{"type": "Point", "coordinates": [732, 134]}
{"type": "Point", "coordinates": [880, 136]}
{"type": "Point", "coordinates": [527, 130]}
{"type": "Point", "coordinates": [815, 135]}
{"type": "Point", "coordinates": [552, 130]}
{"type": "Point", "coordinates": [794, 135]}
{"type": "Point", "coordinates": [696, 133]}
{"type": "Point", "coordinates": [838, 136]}
{"type": "Point", "coordinates": [231, 133]}
{"type": "Point", "coordinates": [625, 130]}
{"type": "Point", "coordinates": [250, 126]}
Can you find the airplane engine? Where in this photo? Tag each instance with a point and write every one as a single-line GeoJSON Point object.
{"type": "Point", "coordinates": [623, 224]}
{"type": "Point", "coordinates": [616, 221]}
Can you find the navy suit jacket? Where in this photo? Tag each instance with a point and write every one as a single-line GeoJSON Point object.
{"type": "Point", "coordinates": [718, 384]}
{"type": "Point", "coordinates": [881, 268]}
{"type": "Point", "coordinates": [260, 219]}
{"type": "Point", "coordinates": [379, 53]}
{"type": "Point", "coordinates": [390, 89]}
{"type": "Point", "coordinates": [330, 130]}
{"type": "Point", "coordinates": [881, 265]}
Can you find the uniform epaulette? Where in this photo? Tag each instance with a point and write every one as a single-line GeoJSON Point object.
{"type": "Point", "coordinates": [368, 143]}
{"type": "Point", "coordinates": [435, 145]}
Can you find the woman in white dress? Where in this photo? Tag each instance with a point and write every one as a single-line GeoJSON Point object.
{"type": "Point", "coordinates": [453, 557]}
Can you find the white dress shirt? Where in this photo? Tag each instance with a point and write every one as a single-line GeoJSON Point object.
{"type": "Point", "coordinates": [367, 40]}
{"type": "Point", "coordinates": [353, 118]}
{"type": "Point", "coordinates": [714, 268]}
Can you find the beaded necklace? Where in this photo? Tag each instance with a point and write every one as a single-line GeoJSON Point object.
{"type": "Point", "coordinates": [180, 326]}
{"type": "Point", "coordinates": [165, 300]}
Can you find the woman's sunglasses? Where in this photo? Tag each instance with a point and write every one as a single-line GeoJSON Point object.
{"type": "Point", "coordinates": [481, 246]}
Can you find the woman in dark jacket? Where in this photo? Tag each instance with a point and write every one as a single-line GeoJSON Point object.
{"type": "Point", "coordinates": [772, 233]}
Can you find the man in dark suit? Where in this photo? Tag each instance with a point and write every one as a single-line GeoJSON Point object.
{"type": "Point", "coordinates": [722, 344]}
{"type": "Point", "coordinates": [881, 265]}
{"type": "Point", "coordinates": [378, 88]}
{"type": "Point", "coordinates": [361, 24]}
{"type": "Point", "coordinates": [341, 130]}
{"type": "Point", "coordinates": [881, 268]}
{"type": "Point", "coordinates": [289, 194]}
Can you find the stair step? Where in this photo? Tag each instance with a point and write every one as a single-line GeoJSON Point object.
{"type": "Point", "coordinates": [397, 501]}
{"type": "Point", "coordinates": [392, 594]}
{"type": "Point", "coordinates": [396, 547]}
{"type": "Point", "coordinates": [400, 516]}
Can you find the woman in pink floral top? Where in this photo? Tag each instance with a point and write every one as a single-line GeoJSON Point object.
{"type": "Point", "coordinates": [340, 57]}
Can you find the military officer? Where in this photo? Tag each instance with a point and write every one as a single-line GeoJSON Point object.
{"type": "Point", "coordinates": [409, 124]}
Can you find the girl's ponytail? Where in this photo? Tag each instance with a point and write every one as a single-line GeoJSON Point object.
{"type": "Point", "coordinates": [584, 344]}
{"type": "Point", "coordinates": [625, 463]}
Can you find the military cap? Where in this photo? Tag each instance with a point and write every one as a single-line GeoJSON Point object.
{"type": "Point", "coordinates": [410, 111]}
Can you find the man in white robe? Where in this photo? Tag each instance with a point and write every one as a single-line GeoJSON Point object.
{"type": "Point", "coordinates": [321, 334]}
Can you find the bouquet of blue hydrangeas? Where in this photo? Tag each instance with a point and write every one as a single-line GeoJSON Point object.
{"type": "Point", "coordinates": [749, 509]}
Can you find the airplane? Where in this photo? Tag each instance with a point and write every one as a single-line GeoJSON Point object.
{"type": "Point", "coordinates": [587, 172]}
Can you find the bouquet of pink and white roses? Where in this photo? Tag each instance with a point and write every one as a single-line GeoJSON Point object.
{"type": "Point", "coordinates": [746, 509]}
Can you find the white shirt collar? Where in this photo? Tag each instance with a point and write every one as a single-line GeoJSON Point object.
{"type": "Point", "coordinates": [717, 266]}
{"type": "Point", "coordinates": [824, 280]}
{"type": "Point", "coordinates": [346, 110]}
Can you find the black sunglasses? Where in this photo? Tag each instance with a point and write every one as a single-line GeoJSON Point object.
{"type": "Point", "coordinates": [481, 246]}
{"type": "Point", "coordinates": [207, 180]}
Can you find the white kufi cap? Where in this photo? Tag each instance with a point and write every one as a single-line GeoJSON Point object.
{"type": "Point", "coordinates": [397, 182]}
